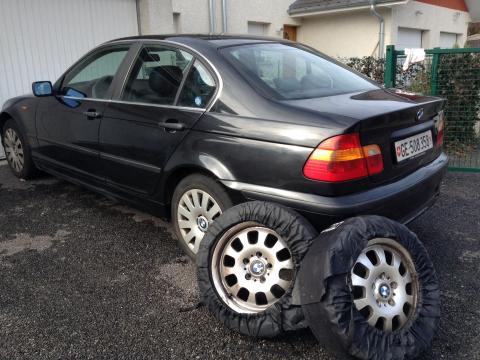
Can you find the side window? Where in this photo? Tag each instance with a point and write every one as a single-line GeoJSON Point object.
{"type": "Point", "coordinates": [199, 87]}
{"type": "Point", "coordinates": [156, 75]}
{"type": "Point", "coordinates": [93, 76]}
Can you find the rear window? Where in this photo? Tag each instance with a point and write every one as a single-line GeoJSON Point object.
{"type": "Point", "coordinates": [289, 72]}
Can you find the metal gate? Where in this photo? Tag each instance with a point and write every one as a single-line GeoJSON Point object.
{"type": "Point", "coordinates": [453, 74]}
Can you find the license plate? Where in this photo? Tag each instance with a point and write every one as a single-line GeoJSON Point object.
{"type": "Point", "coordinates": [413, 145]}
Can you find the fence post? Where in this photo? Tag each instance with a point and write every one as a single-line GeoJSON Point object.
{"type": "Point", "coordinates": [390, 67]}
{"type": "Point", "coordinates": [434, 76]}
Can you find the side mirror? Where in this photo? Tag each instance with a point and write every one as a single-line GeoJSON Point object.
{"type": "Point", "coordinates": [42, 88]}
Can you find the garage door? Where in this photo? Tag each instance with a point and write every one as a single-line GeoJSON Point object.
{"type": "Point", "coordinates": [409, 38]}
{"type": "Point", "coordinates": [40, 39]}
{"type": "Point", "coordinates": [256, 28]}
{"type": "Point", "coordinates": [447, 40]}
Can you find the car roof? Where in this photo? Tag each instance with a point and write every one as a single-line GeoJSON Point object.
{"type": "Point", "coordinates": [210, 39]}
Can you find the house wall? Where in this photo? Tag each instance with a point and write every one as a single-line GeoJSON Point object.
{"type": "Point", "coordinates": [345, 34]}
{"type": "Point", "coordinates": [273, 13]}
{"type": "Point", "coordinates": [193, 16]}
{"type": "Point", "coordinates": [156, 16]}
{"type": "Point", "coordinates": [431, 18]}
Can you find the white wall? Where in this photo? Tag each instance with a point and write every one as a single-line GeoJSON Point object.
{"type": "Point", "coordinates": [156, 16]}
{"type": "Point", "coordinates": [434, 19]}
{"type": "Point", "coordinates": [345, 34]}
{"type": "Point", "coordinates": [273, 13]}
{"type": "Point", "coordinates": [40, 39]}
{"type": "Point", "coordinates": [192, 16]}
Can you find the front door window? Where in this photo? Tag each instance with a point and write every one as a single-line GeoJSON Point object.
{"type": "Point", "coordinates": [92, 78]}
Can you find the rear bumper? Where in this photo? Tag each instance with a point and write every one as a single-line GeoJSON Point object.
{"type": "Point", "coordinates": [402, 200]}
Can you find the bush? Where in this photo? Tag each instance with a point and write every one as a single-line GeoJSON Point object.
{"type": "Point", "coordinates": [369, 66]}
{"type": "Point", "coordinates": [459, 83]}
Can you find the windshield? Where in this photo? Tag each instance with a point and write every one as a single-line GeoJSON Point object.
{"type": "Point", "coordinates": [289, 72]}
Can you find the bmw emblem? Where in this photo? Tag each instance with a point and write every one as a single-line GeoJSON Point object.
{"type": "Point", "coordinates": [420, 114]}
{"type": "Point", "coordinates": [384, 291]}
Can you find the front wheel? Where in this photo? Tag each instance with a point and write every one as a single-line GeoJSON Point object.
{"type": "Point", "coordinates": [17, 151]}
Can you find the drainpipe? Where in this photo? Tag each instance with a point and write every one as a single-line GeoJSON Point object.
{"type": "Point", "coordinates": [224, 16]}
{"type": "Point", "coordinates": [211, 7]}
{"type": "Point", "coordinates": [381, 35]}
{"type": "Point", "coordinates": [139, 17]}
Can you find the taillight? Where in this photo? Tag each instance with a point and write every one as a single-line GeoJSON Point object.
{"type": "Point", "coordinates": [342, 158]}
{"type": "Point", "coordinates": [440, 127]}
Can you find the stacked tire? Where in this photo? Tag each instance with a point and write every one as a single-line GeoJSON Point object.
{"type": "Point", "coordinates": [366, 287]}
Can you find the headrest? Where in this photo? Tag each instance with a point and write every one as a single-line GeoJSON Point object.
{"type": "Point", "coordinates": [165, 80]}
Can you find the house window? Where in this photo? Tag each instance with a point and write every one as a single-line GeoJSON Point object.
{"type": "Point", "coordinates": [448, 40]}
{"type": "Point", "coordinates": [176, 23]}
{"type": "Point", "coordinates": [409, 38]}
{"type": "Point", "coordinates": [258, 28]}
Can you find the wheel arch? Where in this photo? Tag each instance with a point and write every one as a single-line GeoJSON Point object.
{"type": "Point", "coordinates": [181, 172]}
{"type": "Point", "coordinates": [178, 175]}
{"type": "Point", "coordinates": [4, 117]}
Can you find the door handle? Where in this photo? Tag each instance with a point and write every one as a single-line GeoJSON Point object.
{"type": "Point", "coordinates": [92, 114]}
{"type": "Point", "coordinates": [172, 125]}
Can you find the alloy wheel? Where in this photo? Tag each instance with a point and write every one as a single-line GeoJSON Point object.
{"type": "Point", "coordinates": [196, 210]}
{"type": "Point", "coordinates": [14, 150]}
{"type": "Point", "coordinates": [252, 268]}
{"type": "Point", "coordinates": [384, 285]}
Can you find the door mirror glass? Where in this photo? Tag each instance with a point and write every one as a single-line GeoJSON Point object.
{"type": "Point", "coordinates": [42, 88]}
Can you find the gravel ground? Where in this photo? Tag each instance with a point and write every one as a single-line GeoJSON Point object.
{"type": "Point", "coordinates": [85, 277]}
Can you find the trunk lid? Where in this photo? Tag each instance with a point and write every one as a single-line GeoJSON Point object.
{"type": "Point", "coordinates": [382, 117]}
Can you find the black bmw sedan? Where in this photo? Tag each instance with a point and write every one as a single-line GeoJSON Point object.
{"type": "Point", "coordinates": [187, 126]}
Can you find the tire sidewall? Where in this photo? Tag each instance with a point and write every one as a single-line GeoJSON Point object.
{"type": "Point", "coordinates": [200, 182]}
{"type": "Point", "coordinates": [282, 315]}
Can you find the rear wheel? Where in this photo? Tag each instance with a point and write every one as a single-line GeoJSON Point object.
{"type": "Point", "coordinates": [17, 151]}
{"type": "Point", "coordinates": [197, 201]}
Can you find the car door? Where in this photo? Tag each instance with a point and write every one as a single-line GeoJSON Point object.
{"type": "Point", "coordinates": [165, 93]}
{"type": "Point", "coordinates": [68, 123]}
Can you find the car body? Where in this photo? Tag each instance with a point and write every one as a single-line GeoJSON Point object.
{"type": "Point", "coordinates": [250, 139]}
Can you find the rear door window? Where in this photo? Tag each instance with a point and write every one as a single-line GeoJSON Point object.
{"type": "Point", "coordinates": [199, 87]}
{"type": "Point", "coordinates": [157, 75]}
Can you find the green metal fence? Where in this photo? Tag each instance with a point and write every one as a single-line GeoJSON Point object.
{"type": "Point", "coordinates": [453, 74]}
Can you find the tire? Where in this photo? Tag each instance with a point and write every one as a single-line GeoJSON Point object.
{"type": "Point", "coordinates": [245, 223]}
{"type": "Point", "coordinates": [335, 305]}
{"type": "Point", "coordinates": [199, 187]}
{"type": "Point", "coordinates": [17, 150]}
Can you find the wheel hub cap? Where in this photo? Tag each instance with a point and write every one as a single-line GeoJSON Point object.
{"type": "Point", "coordinates": [258, 268]}
{"type": "Point", "coordinates": [202, 223]}
{"type": "Point", "coordinates": [384, 291]}
{"type": "Point", "coordinates": [384, 285]}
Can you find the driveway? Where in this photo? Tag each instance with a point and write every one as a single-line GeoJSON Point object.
{"type": "Point", "coordinates": [83, 276]}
